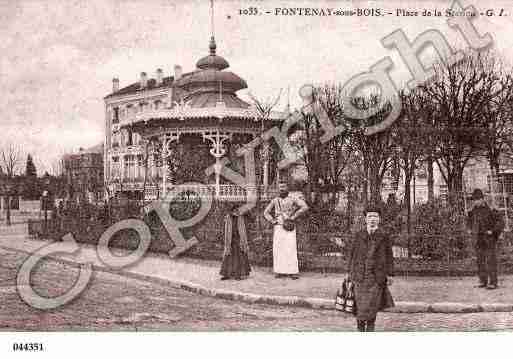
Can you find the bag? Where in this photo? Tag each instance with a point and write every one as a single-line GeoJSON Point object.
{"type": "Point", "coordinates": [345, 298]}
{"type": "Point", "coordinates": [340, 297]}
{"type": "Point", "coordinates": [386, 299]}
{"type": "Point", "coordinates": [288, 224]}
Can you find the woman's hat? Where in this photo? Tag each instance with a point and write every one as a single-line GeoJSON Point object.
{"type": "Point", "coordinates": [477, 194]}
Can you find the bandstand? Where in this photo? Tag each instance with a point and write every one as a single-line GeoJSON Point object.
{"type": "Point", "coordinates": [206, 122]}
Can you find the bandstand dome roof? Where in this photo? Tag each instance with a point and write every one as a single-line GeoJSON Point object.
{"type": "Point", "coordinates": [208, 91]}
{"type": "Point", "coordinates": [209, 83]}
{"type": "Point", "coordinates": [212, 80]}
{"type": "Point", "coordinates": [212, 61]}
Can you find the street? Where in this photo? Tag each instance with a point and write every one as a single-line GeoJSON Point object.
{"type": "Point", "coordinates": [116, 303]}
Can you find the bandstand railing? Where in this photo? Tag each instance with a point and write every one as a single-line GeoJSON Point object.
{"type": "Point", "coordinates": [227, 192]}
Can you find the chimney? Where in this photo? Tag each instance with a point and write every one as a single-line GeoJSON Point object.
{"type": "Point", "coordinates": [159, 77]}
{"type": "Point", "coordinates": [144, 80]}
{"type": "Point", "coordinates": [178, 72]}
{"type": "Point", "coordinates": [115, 84]}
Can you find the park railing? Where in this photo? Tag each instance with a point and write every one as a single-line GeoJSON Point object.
{"type": "Point", "coordinates": [320, 247]}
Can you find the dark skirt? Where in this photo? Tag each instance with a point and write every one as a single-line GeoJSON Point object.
{"type": "Point", "coordinates": [236, 265]}
{"type": "Point", "coordinates": [370, 298]}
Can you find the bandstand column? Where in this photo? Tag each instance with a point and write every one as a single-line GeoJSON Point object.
{"type": "Point", "coordinates": [218, 150]}
{"type": "Point", "coordinates": [167, 139]}
{"type": "Point", "coordinates": [144, 166]}
{"type": "Point", "coordinates": [266, 165]}
{"type": "Point", "coordinates": [122, 166]}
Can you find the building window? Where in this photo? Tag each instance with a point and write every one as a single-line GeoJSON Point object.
{"type": "Point", "coordinates": [115, 115]}
{"type": "Point", "coordinates": [140, 167]}
{"type": "Point", "coordinates": [130, 110]}
{"type": "Point", "coordinates": [157, 104]}
{"type": "Point", "coordinates": [115, 139]}
{"type": "Point", "coordinates": [115, 167]}
{"type": "Point", "coordinates": [130, 138]}
{"type": "Point", "coordinates": [135, 138]}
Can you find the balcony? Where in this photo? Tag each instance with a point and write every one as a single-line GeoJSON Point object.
{"type": "Point", "coordinates": [227, 192]}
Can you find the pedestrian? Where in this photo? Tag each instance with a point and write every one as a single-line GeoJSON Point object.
{"type": "Point", "coordinates": [287, 209]}
{"type": "Point", "coordinates": [60, 216]}
{"type": "Point", "coordinates": [370, 264]}
{"type": "Point", "coordinates": [485, 225]}
{"type": "Point", "coordinates": [235, 263]}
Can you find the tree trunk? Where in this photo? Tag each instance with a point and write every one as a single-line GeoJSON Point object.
{"type": "Point", "coordinates": [365, 187]}
{"type": "Point", "coordinates": [455, 187]}
{"type": "Point", "coordinates": [349, 210]}
{"type": "Point", "coordinates": [375, 185]}
{"type": "Point", "coordinates": [8, 211]}
{"type": "Point", "coordinates": [430, 180]}
{"type": "Point", "coordinates": [407, 202]}
{"type": "Point", "coordinates": [493, 161]}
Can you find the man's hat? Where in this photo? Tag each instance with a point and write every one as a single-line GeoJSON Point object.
{"type": "Point", "coordinates": [477, 194]}
{"type": "Point", "coordinates": [372, 208]}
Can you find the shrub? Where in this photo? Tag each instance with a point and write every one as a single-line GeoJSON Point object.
{"type": "Point", "coordinates": [439, 232]}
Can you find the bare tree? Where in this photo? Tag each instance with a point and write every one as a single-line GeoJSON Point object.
{"type": "Point", "coordinates": [11, 159]}
{"type": "Point", "coordinates": [339, 152]}
{"type": "Point", "coordinates": [411, 139]}
{"type": "Point", "coordinates": [264, 109]}
{"type": "Point", "coordinates": [377, 149]}
{"type": "Point", "coordinates": [499, 116]}
{"type": "Point", "coordinates": [460, 94]}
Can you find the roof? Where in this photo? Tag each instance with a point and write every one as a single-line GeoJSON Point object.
{"type": "Point", "coordinates": [212, 79]}
{"type": "Point", "coordinates": [187, 112]}
{"type": "Point", "coordinates": [97, 149]}
{"type": "Point", "coordinates": [210, 99]}
{"type": "Point", "coordinates": [136, 86]}
{"type": "Point", "coordinates": [212, 62]}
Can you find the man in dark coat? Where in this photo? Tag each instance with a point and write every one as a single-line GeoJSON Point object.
{"type": "Point", "coordinates": [486, 225]}
{"type": "Point", "coordinates": [370, 263]}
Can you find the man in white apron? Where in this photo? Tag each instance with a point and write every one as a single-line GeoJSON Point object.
{"type": "Point", "coordinates": [286, 207]}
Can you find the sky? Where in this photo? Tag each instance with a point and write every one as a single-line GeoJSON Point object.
{"type": "Point", "coordinates": [58, 57]}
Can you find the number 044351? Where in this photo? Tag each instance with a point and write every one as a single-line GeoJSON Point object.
{"type": "Point", "coordinates": [27, 347]}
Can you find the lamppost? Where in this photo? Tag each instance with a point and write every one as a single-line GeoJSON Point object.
{"type": "Point", "coordinates": [7, 189]}
{"type": "Point", "coordinates": [45, 203]}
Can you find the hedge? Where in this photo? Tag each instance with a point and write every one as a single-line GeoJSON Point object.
{"type": "Point", "coordinates": [435, 252]}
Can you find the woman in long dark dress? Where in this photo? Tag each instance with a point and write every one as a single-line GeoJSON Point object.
{"type": "Point", "coordinates": [235, 257]}
{"type": "Point", "coordinates": [370, 264]}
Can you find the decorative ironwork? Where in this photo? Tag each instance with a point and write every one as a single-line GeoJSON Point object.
{"type": "Point", "coordinates": [218, 139]}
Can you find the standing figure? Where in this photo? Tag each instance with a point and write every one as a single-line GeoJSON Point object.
{"type": "Point", "coordinates": [486, 225]}
{"type": "Point", "coordinates": [370, 263]}
{"type": "Point", "coordinates": [235, 257]}
{"type": "Point", "coordinates": [286, 208]}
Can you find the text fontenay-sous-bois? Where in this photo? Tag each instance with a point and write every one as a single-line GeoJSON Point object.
{"type": "Point", "coordinates": [367, 12]}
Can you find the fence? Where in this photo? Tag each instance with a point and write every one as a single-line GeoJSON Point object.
{"type": "Point", "coordinates": [321, 248]}
{"type": "Point", "coordinates": [500, 196]}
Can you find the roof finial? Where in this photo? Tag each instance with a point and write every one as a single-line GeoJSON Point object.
{"type": "Point", "coordinates": [288, 99]}
{"type": "Point", "coordinates": [212, 44]}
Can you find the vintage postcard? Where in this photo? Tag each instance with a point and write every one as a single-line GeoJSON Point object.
{"type": "Point", "coordinates": [255, 166]}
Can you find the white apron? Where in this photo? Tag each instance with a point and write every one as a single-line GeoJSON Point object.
{"type": "Point", "coordinates": [284, 251]}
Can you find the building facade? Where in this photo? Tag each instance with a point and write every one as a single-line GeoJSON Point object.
{"type": "Point", "coordinates": [84, 174]}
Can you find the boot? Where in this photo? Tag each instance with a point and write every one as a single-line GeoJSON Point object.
{"type": "Point", "coordinates": [369, 327]}
{"type": "Point", "coordinates": [360, 325]}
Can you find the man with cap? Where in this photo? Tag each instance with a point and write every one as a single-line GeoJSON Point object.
{"type": "Point", "coordinates": [486, 225]}
{"type": "Point", "coordinates": [370, 266]}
